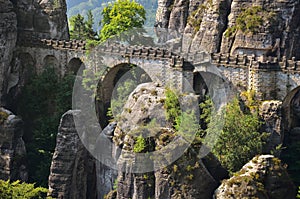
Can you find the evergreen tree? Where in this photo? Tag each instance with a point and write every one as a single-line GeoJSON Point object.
{"type": "Point", "coordinates": [77, 27]}
{"type": "Point", "coordinates": [89, 31]}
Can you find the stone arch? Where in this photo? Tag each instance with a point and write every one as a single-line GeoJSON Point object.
{"type": "Point", "coordinates": [207, 80]}
{"type": "Point", "coordinates": [291, 110]}
{"type": "Point", "coordinates": [107, 85]}
{"type": "Point", "coordinates": [52, 62]}
{"type": "Point", "coordinates": [74, 65]}
{"type": "Point", "coordinates": [291, 132]}
{"type": "Point", "coordinates": [199, 85]}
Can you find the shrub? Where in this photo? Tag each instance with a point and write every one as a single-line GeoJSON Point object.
{"type": "Point", "coordinates": [140, 144]}
{"type": "Point", "coordinates": [250, 20]}
{"type": "Point", "coordinates": [239, 139]}
{"type": "Point", "coordinates": [172, 105]}
{"type": "Point", "coordinates": [17, 190]}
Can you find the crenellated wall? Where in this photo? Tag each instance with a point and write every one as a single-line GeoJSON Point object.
{"type": "Point", "coordinates": [271, 77]}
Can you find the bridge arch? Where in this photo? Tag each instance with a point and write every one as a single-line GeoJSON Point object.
{"type": "Point", "coordinates": [291, 133]}
{"type": "Point", "coordinates": [74, 65]}
{"type": "Point", "coordinates": [208, 80]}
{"type": "Point", "coordinates": [291, 110]}
{"type": "Point", "coordinates": [123, 76]}
{"type": "Point", "coordinates": [52, 62]}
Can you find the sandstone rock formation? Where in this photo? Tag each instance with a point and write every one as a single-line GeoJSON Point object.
{"type": "Point", "coordinates": [72, 172]}
{"type": "Point", "coordinates": [263, 177]}
{"type": "Point", "coordinates": [188, 177]}
{"type": "Point", "coordinates": [45, 19]}
{"type": "Point", "coordinates": [270, 112]}
{"type": "Point", "coordinates": [210, 22]}
{"type": "Point", "coordinates": [8, 38]}
{"type": "Point", "coordinates": [13, 151]}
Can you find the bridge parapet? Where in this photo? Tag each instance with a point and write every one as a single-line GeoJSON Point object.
{"type": "Point", "coordinates": [256, 62]}
{"type": "Point", "coordinates": [143, 52]}
{"type": "Point", "coordinates": [30, 39]}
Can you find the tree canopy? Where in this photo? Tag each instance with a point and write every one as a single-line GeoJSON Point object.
{"type": "Point", "coordinates": [82, 29]}
{"type": "Point", "coordinates": [121, 16]}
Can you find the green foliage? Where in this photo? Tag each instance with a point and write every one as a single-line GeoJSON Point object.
{"type": "Point", "coordinates": [172, 106]}
{"type": "Point", "coordinates": [195, 19]}
{"type": "Point", "coordinates": [187, 125]}
{"type": "Point", "coordinates": [115, 186]}
{"type": "Point", "coordinates": [239, 140]}
{"type": "Point", "coordinates": [250, 20]}
{"type": "Point", "coordinates": [82, 7]}
{"type": "Point", "coordinates": [230, 31]}
{"type": "Point", "coordinates": [77, 27]}
{"type": "Point", "coordinates": [90, 33]}
{"type": "Point", "coordinates": [44, 99]}
{"type": "Point", "coordinates": [121, 16]}
{"type": "Point", "coordinates": [140, 144]}
{"type": "Point", "coordinates": [81, 29]}
{"type": "Point", "coordinates": [17, 190]}
{"type": "Point", "coordinates": [250, 100]}
{"type": "Point", "coordinates": [298, 195]}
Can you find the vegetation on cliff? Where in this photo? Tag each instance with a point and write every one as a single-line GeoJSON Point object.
{"type": "Point", "coordinates": [239, 139]}
{"type": "Point", "coordinates": [17, 190]}
{"type": "Point", "coordinates": [250, 20]}
{"type": "Point", "coordinates": [44, 99]}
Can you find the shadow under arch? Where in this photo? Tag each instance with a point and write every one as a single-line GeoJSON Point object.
{"type": "Point", "coordinates": [125, 76]}
{"type": "Point", "coordinates": [291, 133]}
{"type": "Point", "coordinates": [52, 62]}
{"type": "Point", "coordinates": [74, 65]}
{"type": "Point", "coordinates": [290, 105]}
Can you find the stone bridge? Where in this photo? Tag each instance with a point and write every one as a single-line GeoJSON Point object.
{"type": "Point", "coordinates": [272, 78]}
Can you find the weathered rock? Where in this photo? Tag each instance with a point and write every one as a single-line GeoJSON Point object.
{"type": "Point", "coordinates": [213, 17]}
{"type": "Point", "coordinates": [72, 172]}
{"type": "Point", "coordinates": [13, 151]}
{"type": "Point", "coordinates": [263, 177]}
{"type": "Point", "coordinates": [270, 112]}
{"type": "Point", "coordinates": [188, 177]}
{"type": "Point", "coordinates": [45, 19]}
{"type": "Point", "coordinates": [163, 13]}
{"type": "Point", "coordinates": [8, 38]}
{"type": "Point", "coordinates": [104, 151]}
{"type": "Point", "coordinates": [207, 21]}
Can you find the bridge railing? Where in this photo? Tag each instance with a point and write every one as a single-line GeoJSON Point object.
{"type": "Point", "coordinates": [31, 39]}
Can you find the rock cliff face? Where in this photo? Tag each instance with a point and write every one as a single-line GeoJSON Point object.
{"type": "Point", "coordinates": [271, 113]}
{"type": "Point", "coordinates": [188, 177]}
{"type": "Point", "coordinates": [46, 18]}
{"type": "Point", "coordinates": [263, 177]}
{"type": "Point", "coordinates": [13, 152]}
{"type": "Point", "coordinates": [72, 172]}
{"type": "Point", "coordinates": [218, 25]}
{"type": "Point", "coordinates": [8, 38]}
